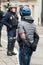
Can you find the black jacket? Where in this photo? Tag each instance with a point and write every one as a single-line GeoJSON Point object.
{"type": "Point", "coordinates": [10, 19]}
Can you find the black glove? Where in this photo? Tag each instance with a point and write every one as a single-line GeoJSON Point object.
{"type": "Point", "coordinates": [33, 46]}
{"type": "Point", "coordinates": [27, 43]}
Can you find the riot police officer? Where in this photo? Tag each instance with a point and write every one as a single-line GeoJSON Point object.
{"type": "Point", "coordinates": [27, 36]}
{"type": "Point", "coordinates": [1, 16]}
{"type": "Point", "coordinates": [11, 21]}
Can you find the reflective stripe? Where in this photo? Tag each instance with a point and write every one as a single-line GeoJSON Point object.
{"type": "Point", "coordinates": [13, 38]}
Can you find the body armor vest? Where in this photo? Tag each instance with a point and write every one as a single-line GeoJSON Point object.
{"type": "Point", "coordinates": [13, 20]}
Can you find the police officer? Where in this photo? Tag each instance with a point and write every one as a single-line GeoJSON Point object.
{"type": "Point", "coordinates": [11, 21]}
{"type": "Point", "coordinates": [1, 16]}
{"type": "Point", "coordinates": [27, 36]}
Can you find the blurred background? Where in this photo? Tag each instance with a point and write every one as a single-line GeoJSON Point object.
{"type": "Point", "coordinates": [35, 5]}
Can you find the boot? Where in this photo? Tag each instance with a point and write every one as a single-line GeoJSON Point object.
{"type": "Point", "coordinates": [9, 53]}
{"type": "Point", "coordinates": [9, 49]}
{"type": "Point", "coordinates": [12, 47]}
{"type": "Point", "coordinates": [13, 53]}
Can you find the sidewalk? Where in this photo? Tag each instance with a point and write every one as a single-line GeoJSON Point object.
{"type": "Point", "coordinates": [37, 57]}
{"type": "Point", "coordinates": [7, 60]}
{"type": "Point", "coordinates": [4, 59]}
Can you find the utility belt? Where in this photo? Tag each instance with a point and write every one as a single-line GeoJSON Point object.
{"type": "Point", "coordinates": [12, 23]}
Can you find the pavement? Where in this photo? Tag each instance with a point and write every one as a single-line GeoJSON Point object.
{"type": "Point", "coordinates": [4, 59]}
{"type": "Point", "coordinates": [37, 57]}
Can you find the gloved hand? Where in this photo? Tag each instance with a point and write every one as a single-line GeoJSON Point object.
{"type": "Point", "coordinates": [28, 44]}
{"type": "Point", "coordinates": [33, 46]}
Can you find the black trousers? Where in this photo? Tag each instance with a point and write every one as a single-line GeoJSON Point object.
{"type": "Point", "coordinates": [11, 39]}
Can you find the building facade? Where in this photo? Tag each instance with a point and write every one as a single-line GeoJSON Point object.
{"type": "Point", "coordinates": [35, 6]}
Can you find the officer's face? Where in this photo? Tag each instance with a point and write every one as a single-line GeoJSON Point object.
{"type": "Point", "coordinates": [14, 9]}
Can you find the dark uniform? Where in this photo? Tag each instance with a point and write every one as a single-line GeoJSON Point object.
{"type": "Point", "coordinates": [1, 16]}
{"type": "Point", "coordinates": [27, 38]}
{"type": "Point", "coordinates": [11, 21]}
